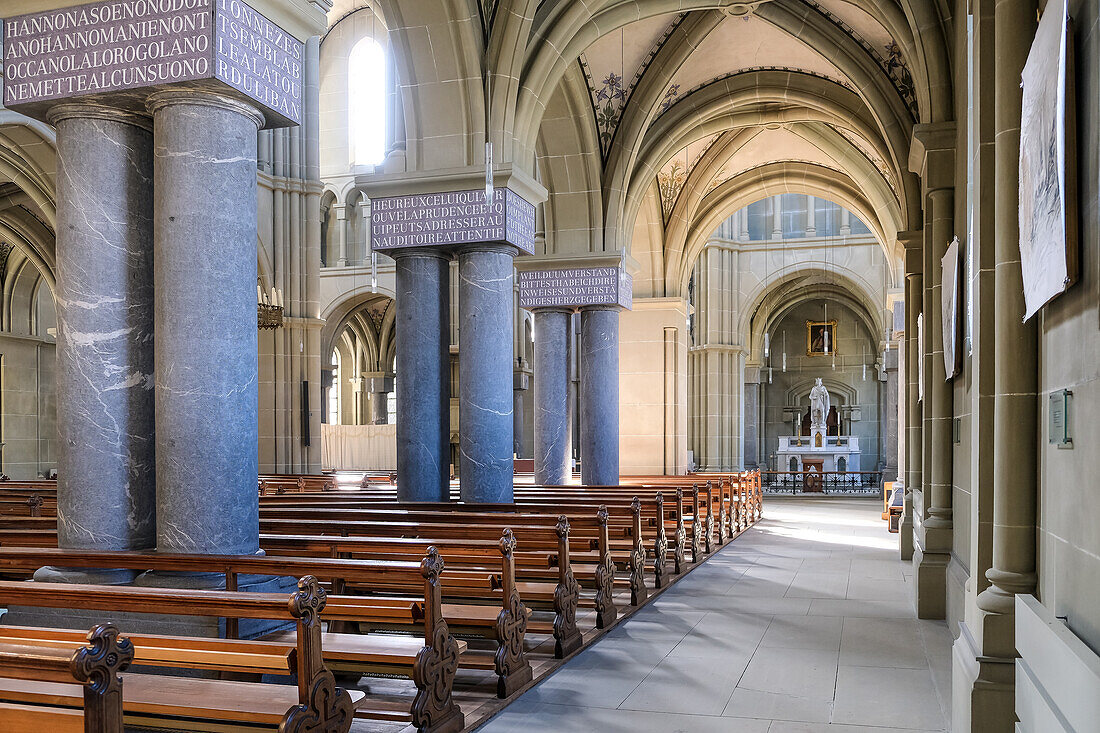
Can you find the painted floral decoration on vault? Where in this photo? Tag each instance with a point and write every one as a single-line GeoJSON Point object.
{"type": "Point", "coordinates": [671, 181]}
{"type": "Point", "coordinates": [610, 98]}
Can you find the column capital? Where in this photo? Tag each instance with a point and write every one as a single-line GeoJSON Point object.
{"type": "Point", "coordinates": [204, 98]}
{"type": "Point", "coordinates": [426, 253]}
{"type": "Point", "coordinates": [501, 247]}
{"type": "Point", "coordinates": [913, 243]}
{"type": "Point", "coordinates": [932, 154]}
{"type": "Point", "coordinates": [536, 309]}
{"type": "Point", "coordinates": [88, 110]}
{"type": "Point", "coordinates": [377, 382]}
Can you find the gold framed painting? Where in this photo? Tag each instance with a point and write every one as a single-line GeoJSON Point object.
{"type": "Point", "coordinates": [818, 334]}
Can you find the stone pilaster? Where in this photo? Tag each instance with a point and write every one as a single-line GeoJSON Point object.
{"type": "Point", "coordinates": [932, 156]}
{"type": "Point", "coordinates": [342, 224]}
{"type": "Point", "coordinates": [553, 436]}
{"type": "Point", "coordinates": [205, 313]}
{"type": "Point", "coordinates": [106, 465]}
{"type": "Point", "coordinates": [521, 382]}
{"type": "Point", "coordinates": [421, 331]}
{"type": "Point", "coordinates": [890, 416]}
{"type": "Point", "coordinates": [1015, 360]}
{"type": "Point", "coordinates": [485, 303]}
{"type": "Point", "coordinates": [753, 412]}
{"type": "Point", "coordinates": [599, 395]}
{"type": "Point", "coordinates": [914, 429]}
{"type": "Point", "coordinates": [777, 217]}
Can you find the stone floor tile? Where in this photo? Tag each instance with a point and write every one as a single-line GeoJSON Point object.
{"type": "Point", "coordinates": [910, 692]}
{"type": "Point", "coordinates": [782, 726]}
{"type": "Point", "coordinates": [804, 632]}
{"type": "Point", "coordinates": [746, 703]}
{"type": "Point", "coordinates": [809, 673]}
{"type": "Point", "coordinates": [882, 642]}
{"type": "Point", "coordinates": [574, 719]}
{"type": "Point", "coordinates": [810, 584]}
{"type": "Point", "coordinates": [694, 685]}
{"type": "Point", "coordinates": [860, 608]}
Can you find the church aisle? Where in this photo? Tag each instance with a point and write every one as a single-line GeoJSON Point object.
{"type": "Point", "coordinates": [804, 624]}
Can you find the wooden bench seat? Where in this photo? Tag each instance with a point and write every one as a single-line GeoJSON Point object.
{"type": "Point", "coordinates": [18, 718]}
{"type": "Point", "coordinates": [421, 612]}
{"type": "Point", "coordinates": [168, 703]}
{"type": "Point", "coordinates": [316, 696]}
{"type": "Point", "coordinates": [92, 670]}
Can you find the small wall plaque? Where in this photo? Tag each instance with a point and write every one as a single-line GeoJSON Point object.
{"type": "Point", "coordinates": [1058, 429]}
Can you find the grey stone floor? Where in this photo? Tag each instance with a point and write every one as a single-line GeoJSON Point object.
{"type": "Point", "coordinates": [804, 624]}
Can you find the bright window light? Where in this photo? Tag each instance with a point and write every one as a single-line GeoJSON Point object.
{"type": "Point", "coordinates": [367, 103]}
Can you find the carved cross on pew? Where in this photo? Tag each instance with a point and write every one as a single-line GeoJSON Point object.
{"type": "Point", "coordinates": [97, 666]}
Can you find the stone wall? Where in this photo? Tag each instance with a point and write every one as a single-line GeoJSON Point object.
{"type": "Point", "coordinates": [27, 406]}
{"type": "Point", "coordinates": [1069, 543]}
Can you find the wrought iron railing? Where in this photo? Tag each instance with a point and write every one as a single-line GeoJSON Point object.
{"type": "Point", "coordinates": [822, 482]}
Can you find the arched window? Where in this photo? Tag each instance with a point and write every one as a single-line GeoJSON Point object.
{"type": "Point", "coordinates": [334, 391]}
{"type": "Point", "coordinates": [367, 103]}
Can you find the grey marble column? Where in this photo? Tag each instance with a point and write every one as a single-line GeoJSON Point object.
{"type": "Point", "coordinates": [379, 408]}
{"type": "Point", "coordinates": [553, 436]}
{"type": "Point", "coordinates": [599, 397]}
{"type": "Point", "coordinates": [423, 385]}
{"type": "Point", "coordinates": [486, 279]}
{"type": "Point", "coordinates": [520, 384]}
{"type": "Point", "coordinates": [205, 311]}
{"type": "Point", "coordinates": [106, 491]}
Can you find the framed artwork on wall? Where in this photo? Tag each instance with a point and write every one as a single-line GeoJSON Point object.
{"type": "Point", "coordinates": [820, 338]}
{"type": "Point", "coordinates": [1048, 175]}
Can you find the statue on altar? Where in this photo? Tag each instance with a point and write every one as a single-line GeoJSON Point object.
{"type": "Point", "coordinates": [819, 405]}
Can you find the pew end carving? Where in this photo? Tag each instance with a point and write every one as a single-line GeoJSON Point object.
{"type": "Point", "coordinates": [97, 666]}
{"type": "Point", "coordinates": [567, 637]}
{"type": "Point", "coordinates": [512, 666]}
{"type": "Point", "coordinates": [606, 613]}
{"type": "Point", "coordinates": [329, 708]}
{"type": "Point", "coordinates": [434, 709]}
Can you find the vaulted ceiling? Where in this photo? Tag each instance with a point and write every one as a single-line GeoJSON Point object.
{"type": "Point", "coordinates": [698, 103]}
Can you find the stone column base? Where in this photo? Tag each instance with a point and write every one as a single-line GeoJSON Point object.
{"type": "Point", "coordinates": [982, 688]}
{"type": "Point", "coordinates": [905, 538]}
{"type": "Point", "coordinates": [930, 583]}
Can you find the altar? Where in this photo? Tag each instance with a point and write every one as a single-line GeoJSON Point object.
{"type": "Point", "coordinates": [829, 453]}
{"type": "Point", "coordinates": [817, 452]}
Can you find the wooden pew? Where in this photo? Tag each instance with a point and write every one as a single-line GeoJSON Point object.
{"type": "Point", "coordinates": [96, 666]}
{"type": "Point", "coordinates": [294, 483]}
{"type": "Point", "coordinates": [170, 702]}
{"type": "Point", "coordinates": [387, 654]}
{"type": "Point", "coordinates": [513, 668]}
{"type": "Point", "coordinates": [457, 521]}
